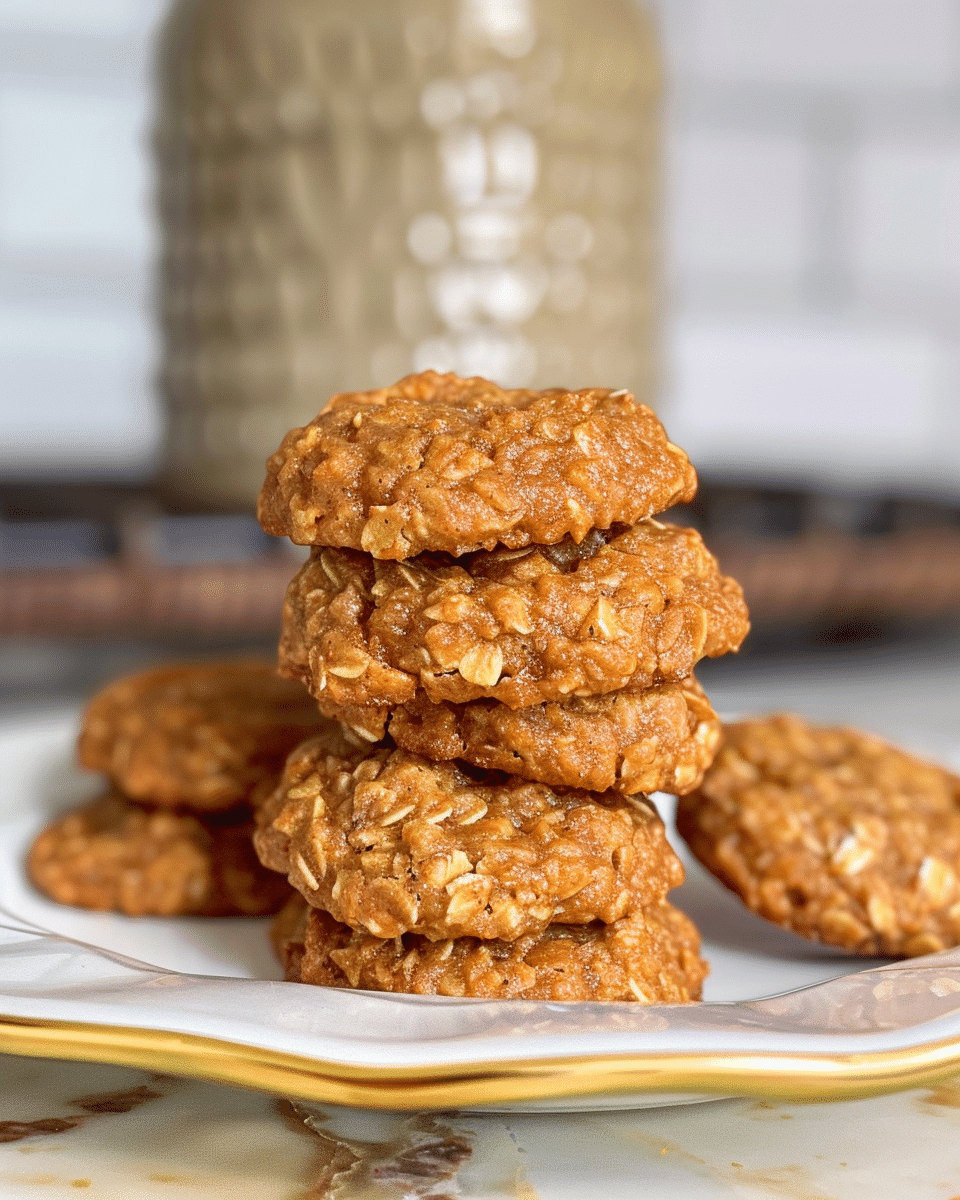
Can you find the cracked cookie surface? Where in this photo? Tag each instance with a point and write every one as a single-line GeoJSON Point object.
{"type": "Point", "coordinates": [205, 736]}
{"type": "Point", "coordinates": [658, 739]}
{"type": "Point", "coordinates": [651, 956]}
{"type": "Point", "coordinates": [833, 834]}
{"type": "Point", "coordinates": [437, 462]}
{"type": "Point", "coordinates": [626, 608]}
{"type": "Point", "coordinates": [391, 843]}
{"type": "Point", "coordinates": [114, 856]}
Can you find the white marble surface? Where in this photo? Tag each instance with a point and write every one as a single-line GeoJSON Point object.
{"type": "Point", "coordinates": [196, 1140]}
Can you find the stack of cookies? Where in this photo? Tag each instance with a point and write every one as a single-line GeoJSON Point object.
{"type": "Point", "coordinates": [189, 750]}
{"type": "Point", "coordinates": [509, 638]}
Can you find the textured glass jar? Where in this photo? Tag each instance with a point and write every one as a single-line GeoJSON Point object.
{"type": "Point", "coordinates": [351, 190]}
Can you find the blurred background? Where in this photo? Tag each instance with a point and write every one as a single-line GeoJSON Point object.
{"type": "Point", "coordinates": [808, 320]}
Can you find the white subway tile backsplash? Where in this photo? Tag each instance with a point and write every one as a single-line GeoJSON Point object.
{"type": "Point", "coordinates": [832, 402]}
{"type": "Point", "coordinates": [737, 204]}
{"type": "Point", "coordinates": [904, 216]}
{"type": "Point", "coordinates": [73, 172]}
{"type": "Point", "coordinates": [826, 43]}
{"type": "Point", "coordinates": [813, 206]}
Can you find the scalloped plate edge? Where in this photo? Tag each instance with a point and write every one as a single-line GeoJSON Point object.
{"type": "Point", "coordinates": [595, 1081]}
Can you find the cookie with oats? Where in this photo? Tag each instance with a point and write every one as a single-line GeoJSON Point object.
{"type": "Point", "coordinates": [623, 608]}
{"type": "Point", "coordinates": [636, 740]}
{"type": "Point", "coordinates": [833, 834]}
{"type": "Point", "coordinates": [392, 843]}
{"type": "Point", "coordinates": [437, 462]}
{"type": "Point", "coordinates": [651, 956]}
{"type": "Point", "coordinates": [116, 856]}
{"type": "Point", "coordinates": [206, 736]}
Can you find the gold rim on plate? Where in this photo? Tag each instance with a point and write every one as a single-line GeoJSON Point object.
{"type": "Point", "coordinates": [774, 1075]}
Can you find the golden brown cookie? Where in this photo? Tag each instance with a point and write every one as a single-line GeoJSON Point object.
{"type": "Point", "coordinates": [627, 608]}
{"type": "Point", "coordinates": [832, 833]}
{"type": "Point", "coordinates": [393, 843]}
{"type": "Point", "coordinates": [205, 736]}
{"type": "Point", "coordinates": [651, 956]}
{"type": "Point", "coordinates": [115, 856]}
{"type": "Point", "coordinates": [636, 740]}
{"type": "Point", "coordinates": [437, 462]}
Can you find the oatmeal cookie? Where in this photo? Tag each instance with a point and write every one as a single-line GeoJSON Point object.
{"type": "Point", "coordinates": [204, 736]}
{"type": "Point", "coordinates": [436, 462]}
{"type": "Point", "coordinates": [625, 608]}
{"type": "Point", "coordinates": [392, 844]}
{"type": "Point", "coordinates": [651, 956]}
{"type": "Point", "coordinates": [636, 740]}
{"type": "Point", "coordinates": [832, 833]}
{"type": "Point", "coordinates": [115, 856]}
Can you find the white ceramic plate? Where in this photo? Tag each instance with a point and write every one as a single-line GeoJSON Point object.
{"type": "Point", "coordinates": [202, 997]}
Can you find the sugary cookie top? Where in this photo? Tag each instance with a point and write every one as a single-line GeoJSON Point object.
{"type": "Point", "coordinates": [437, 462]}
{"type": "Point", "coordinates": [832, 833]}
{"type": "Point", "coordinates": [392, 843]}
{"type": "Point", "coordinates": [203, 735]}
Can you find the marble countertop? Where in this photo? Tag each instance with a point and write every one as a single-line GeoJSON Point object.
{"type": "Point", "coordinates": [120, 1134]}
